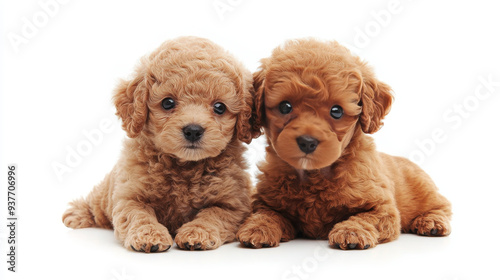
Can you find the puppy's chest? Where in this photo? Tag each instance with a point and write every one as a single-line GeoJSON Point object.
{"type": "Point", "coordinates": [182, 197]}
{"type": "Point", "coordinates": [313, 209]}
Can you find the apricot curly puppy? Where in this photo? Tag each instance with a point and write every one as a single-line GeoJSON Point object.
{"type": "Point", "coordinates": [181, 172]}
{"type": "Point", "coordinates": [323, 177]}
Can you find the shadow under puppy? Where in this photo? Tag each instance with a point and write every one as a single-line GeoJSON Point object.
{"type": "Point", "coordinates": [323, 177]}
{"type": "Point", "coordinates": [181, 172]}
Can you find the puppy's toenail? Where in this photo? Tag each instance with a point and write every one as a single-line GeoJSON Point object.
{"type": "Point", "coordinates": [366, 246]}
{"type": "Point", "coordinates": [352, 245]}
{"type": "Point", "coordinates": [197, 246]}
{"type": "Point", "coordinates": [336, 246]}
{"type": "Point", "coordinates": [434, 231]}
{"type": "Point", "coordinates": [265, 245]}
{"type": "Point", "coordinates": [166, 249]}
{"type": "Point", "coordinates": [246, 243]}
{"type": "Point", "coordinates": [187, 245]}
{"type": "Point", "coordinates": [154, 248]}
{"type": "Point", "coordinates": [142, 250]}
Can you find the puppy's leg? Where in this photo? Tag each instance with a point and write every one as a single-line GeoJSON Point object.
{"type": "Point", "coordinates": [424, 210]}
{"type": "Point", "coordinates": [79, 215]}
{"type": "Point", "coordinates": [138, 229]}
{"type": "Point", "coordinates": [365, 230]}
{"type": "Point", "coordinates": [432, 223]}
{"type": "Point", "coordinates": [90, 212]}
{"type": "Point", "coordinates": [433, 219]}
{"type": "Point", "coordinates": [211, 228]}
{"type": "Point", "coordinates": [265, 228]}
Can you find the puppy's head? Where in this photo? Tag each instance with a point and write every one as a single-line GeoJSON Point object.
{"type": "Point", "coordinates": [190, 98]}
{"type": "Point", "coordinates": [311, 97]}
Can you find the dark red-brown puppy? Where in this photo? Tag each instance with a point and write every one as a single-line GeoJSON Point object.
{"type": "Point", "coordinates": [323, 177]}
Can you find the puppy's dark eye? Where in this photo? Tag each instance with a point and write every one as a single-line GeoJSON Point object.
{"type": "Point", "coordinates": [285, 107]}
{"type": "Point", "coordinates": [168, 103]}
{"type": "Point", "coordinates": [336, 112]}
{"type": "Point", "coordinates": [219, 108]}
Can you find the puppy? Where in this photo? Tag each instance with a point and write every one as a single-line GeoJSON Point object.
{"type": "Point", "coordinates": [322, 177]}
{"type": "Point", "coordinates": [181, 172]}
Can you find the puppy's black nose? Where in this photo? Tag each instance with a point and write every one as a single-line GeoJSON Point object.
{"type": "Point", "coordinates": [307, 144]}
{"type": "Point", "coordinates": [193, 132]}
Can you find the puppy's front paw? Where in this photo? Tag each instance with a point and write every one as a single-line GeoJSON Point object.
{"type": "Point", "coordinates": [196, 237]}
{"type": "Point", "coordinates": [149, 238]}
{"type": "Point", "coordinates": [348, 236]}
{"type": "Point", "coordinates": [261, 236]}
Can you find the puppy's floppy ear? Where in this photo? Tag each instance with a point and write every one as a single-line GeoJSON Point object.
{"type": "Point", "coordinates": [259, 111]}
{"type": "Point", "coordinates": [130, 99]}
{"type": "Point", "coordinates": [376, 100]}
{"type": "Point", "coordinates": [244, 125]}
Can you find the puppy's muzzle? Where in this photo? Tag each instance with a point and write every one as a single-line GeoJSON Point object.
{"type": "Point", "coordinates": [193, 132]}
{"type": "Point", "coordinates": [307, 144]}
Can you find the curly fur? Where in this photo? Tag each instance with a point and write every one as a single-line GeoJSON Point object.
{"type": "Point", "coordinates": [345, 191]}
{"type": "Point", "coordinates": [159, 189]}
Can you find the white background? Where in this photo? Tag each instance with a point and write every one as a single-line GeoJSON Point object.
{"type": "Point", "coordinates": [56, 84]}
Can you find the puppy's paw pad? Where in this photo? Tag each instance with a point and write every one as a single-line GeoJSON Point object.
{"type": "Point", "coordinates": [191, 237]}
{"type": "Point", "coordinates": [149, 239]}
{"type": "Point", "coordinates": [351, 238]}
{"type": "Point", "coordinates": [259, 237]}
{"type": "Point", "coordinates": [431, 225]}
